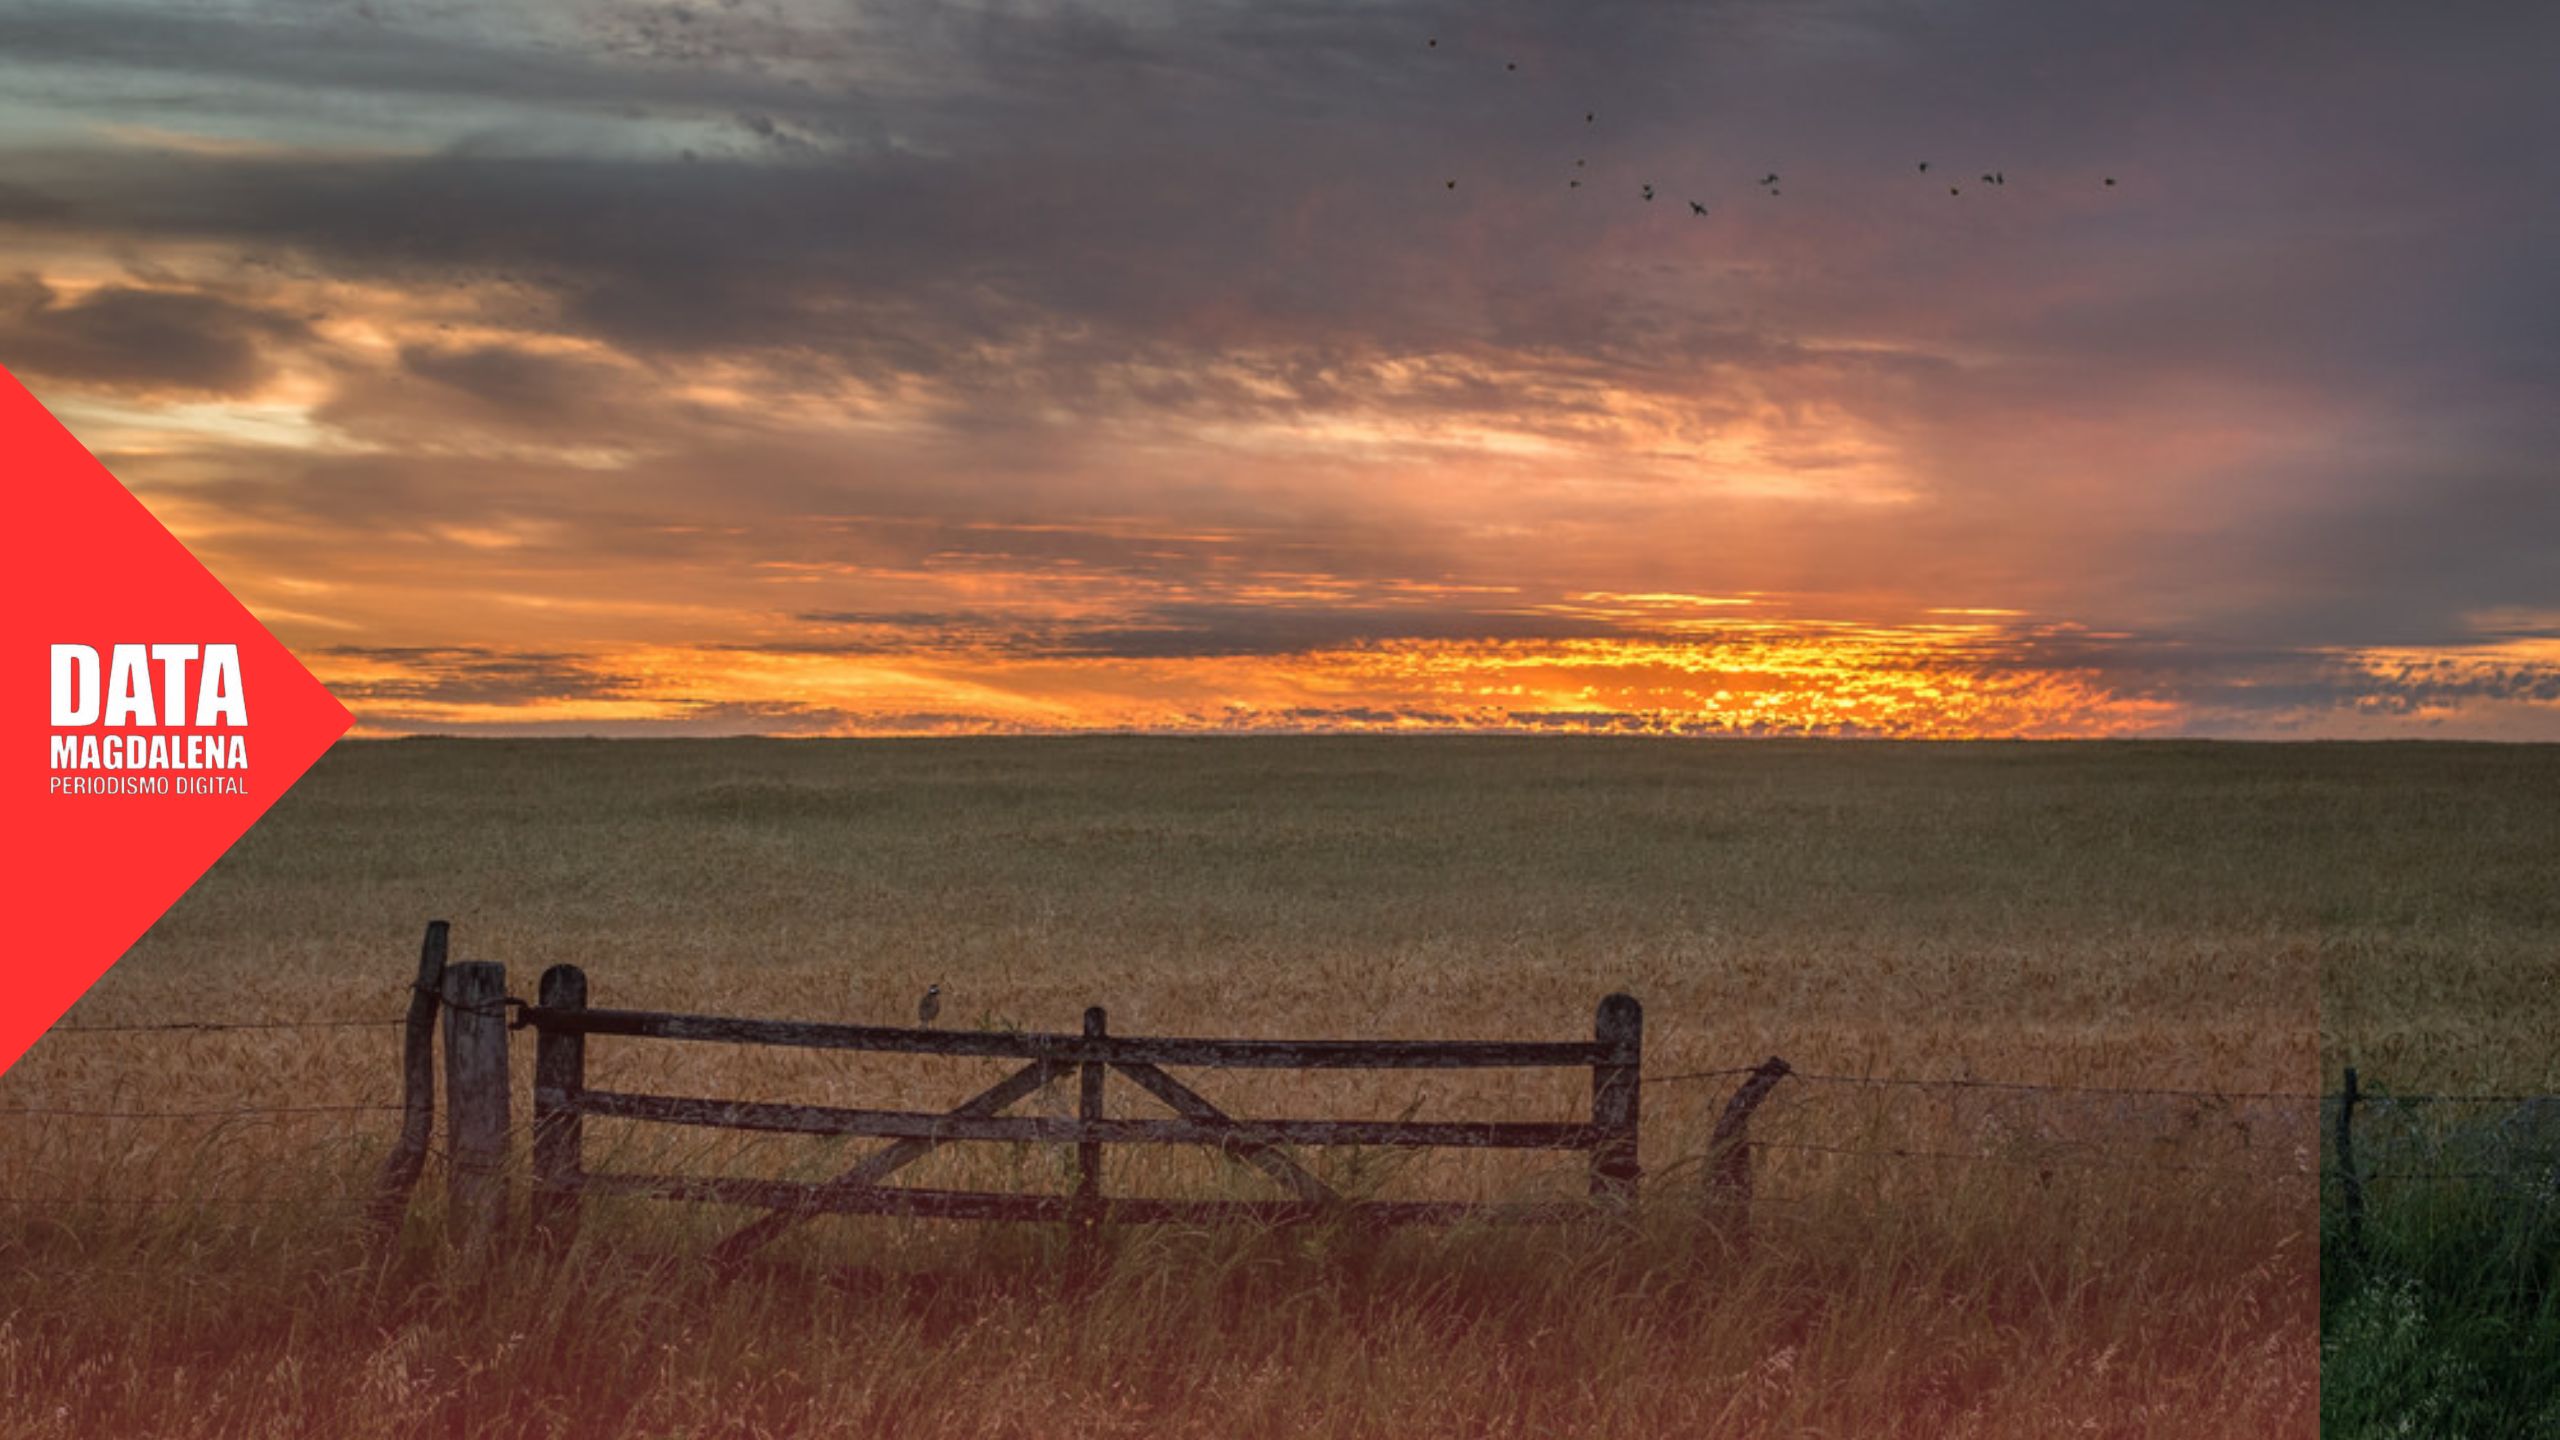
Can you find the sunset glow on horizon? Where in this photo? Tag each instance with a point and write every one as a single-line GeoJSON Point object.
{"type": "Point", "coordinates": [790, 368]}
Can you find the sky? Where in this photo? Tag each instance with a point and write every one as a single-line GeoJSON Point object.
{"type": "Point", "coordinates": [772, 366]}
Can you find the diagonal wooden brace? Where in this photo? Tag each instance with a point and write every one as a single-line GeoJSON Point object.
{"type": "Point", "coordinates": [1191, 1105]}
{"type": "Point", "coordinates": [888, 1160]}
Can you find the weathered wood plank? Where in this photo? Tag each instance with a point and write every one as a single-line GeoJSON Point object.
{"type": "Point", "coordinates": [1059, 1130]}
{"type": "Point", "coordinates": [1089, 1110]}
{"type": "Point", "coordinates": [1614, 1056]}
{"type": "Point", "coordinates": [1191, 1105]}
{"type": "Point", "coordinates": [1617, 1030]}
{"type": "Point", "coordinates": [890, 1159]}
{"type": "Point", "coordinates": [1060, 1049]}
{"type": "Point", "coordinates": [408, 1158]}
{"type": "Point", "coordinates": [797, 1199]}
{"type": "Point", "coordinates": [1729, 1151]}
{"type": "Point", "coordinates": [478, 1108]}
{"type": "Point", "coordinates": [559, 1135]}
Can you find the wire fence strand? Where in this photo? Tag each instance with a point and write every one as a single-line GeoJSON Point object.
{"type": "Point", "coordinates": [2022, 1162]}
{"type": "Point", "coordinates": [1801, 1079]}
{"type": "Point", "coordinates": [1952, 1083]}
{"type": "Point", "coordinates": [1726, 1073]}
{"type": "Point", "coordinates": [69, 1113]}
{"type": "Point", "coordinates": [146, 1201]}
{"type": "Point", "coordinates": [218, 1025]}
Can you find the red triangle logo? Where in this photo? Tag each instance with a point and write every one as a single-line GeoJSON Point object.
{"type": "Point", "coordinates": [148, 718]}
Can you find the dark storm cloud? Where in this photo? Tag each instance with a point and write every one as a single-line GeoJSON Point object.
{"type": "Point", "coordinates": [267, 56]}
{"type": "Point", "coordinates": [703, 718]}
{"type": "Point", "coordinates": [1198, 180]}
{"type": "Point", "coordinates": [501, 388]}
{"type": "Point", "coordinates": [500, 376]}
{"type": "Point", "coordinates": [2417, 684]}
{"type": "Point", "coordinates": [1210, 630]}
{"type": "Point", "coordinates": [135, 339]}
{"type": "Point", "coordinates": [1203, 630]}
{"type": "Point", "coordinates": [1199, 174]}
{"type": "Point", "coordinates": [473, 675]}
{"type": "Point", "coordinates": [2287, 386]}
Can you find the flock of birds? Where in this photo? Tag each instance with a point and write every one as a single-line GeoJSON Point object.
{"type": "Point", "coordinates": [929, 1008]}
{"type": "Point", "coordinates": [1768, 183]}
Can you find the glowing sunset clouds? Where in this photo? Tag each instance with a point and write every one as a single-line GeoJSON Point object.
{"type": "Point", "coordinates": [777, 366]}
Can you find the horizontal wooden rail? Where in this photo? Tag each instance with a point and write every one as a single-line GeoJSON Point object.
{"type": "Point", "coordinates": [817, 1198]}
{"type": "Point", "coordinates": [1078, 1049]}
{"type": "Point", "coordinates": [563, 1101]}
{"type": "Point", "coordinates": [939, 1125]}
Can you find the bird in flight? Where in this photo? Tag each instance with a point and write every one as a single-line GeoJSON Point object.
{"type": "Point", "coordinates": [1768, 182]}
{"type": "Point", "coordinates": [929, 1009]}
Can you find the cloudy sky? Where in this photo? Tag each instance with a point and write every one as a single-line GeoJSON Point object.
{"type": "Point", "coordinates": [804, 366]}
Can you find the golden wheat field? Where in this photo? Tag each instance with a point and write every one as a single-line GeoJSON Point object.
{"type": "Point", "coordinates": [1925, 1260]}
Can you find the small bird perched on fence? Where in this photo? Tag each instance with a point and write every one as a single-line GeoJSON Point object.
{"type": "Point", "coordinates": [929, 1009]}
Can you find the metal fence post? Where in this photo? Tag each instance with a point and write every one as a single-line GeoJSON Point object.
{"type": "Point", "coordinates": [477, 1108]}
{"type": "Point", "coordinates": [2351, 1185]}
{"type": "Point", "coordinates": [559, 1131]}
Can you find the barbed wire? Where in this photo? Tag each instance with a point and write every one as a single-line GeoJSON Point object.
{"type": "Point", "coordinates": [2385, 1097]}
{"type": "Point", "coordinates": [501, 1009]}
{"type": "Point", "coordinates": [1915, 1083]}
{"type": "Point", "coordinates": [2016, 1162]}
{"type": "Point", "coordinates": [513, 1006]}
{"type": "Point", "coordinates": [222, 1025]}
{"type": "Point", "coordinates": [274, 1202]}
{"type": "Point", "coordinates": [1725, 1073]}
{"type": "Point", "coordinates": [68, 1113]}
{"type": "Point", "coordinates": [1909, 1082]}
{"type": "Point", "coordinates": [2538, 1173]}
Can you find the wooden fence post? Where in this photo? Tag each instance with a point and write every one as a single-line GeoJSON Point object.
{"type": "Point", "coordinates": [408, 1157]}
{"type": "Point", "coordinates": [1616, 1088]}
{"type": "Point", "coordinates": [559, 1131]}
{"type": "Point", "coordinates": [1729, 1150]}
{"type": "Point", "coordinates": [2351, 1185]}
{"type": "Point", "coordinates": [477, 1107]}
{"type": "Point", "coordinates": [1088, 1110]}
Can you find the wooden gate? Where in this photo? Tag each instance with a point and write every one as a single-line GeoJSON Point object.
{"type": "Point", "coordinates": [562, 1100]}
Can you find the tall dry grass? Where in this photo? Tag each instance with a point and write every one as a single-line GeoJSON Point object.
{"type": "Point", "coordinates": [2112, 915]}
{"type": "Point", "coordinates": [2439, 978]}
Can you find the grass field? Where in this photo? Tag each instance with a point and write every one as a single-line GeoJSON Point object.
{"type": "Point", "coordinates": [2444, 1320]}
{"type": "Point", "coordinates": [2121, 915]}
